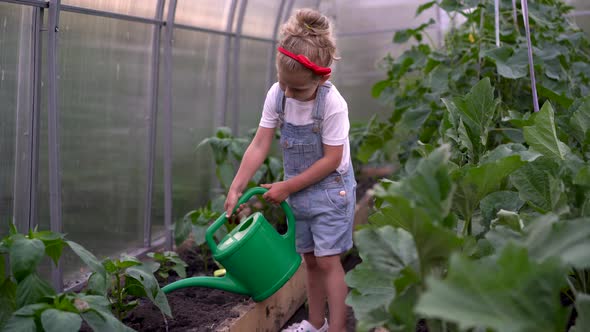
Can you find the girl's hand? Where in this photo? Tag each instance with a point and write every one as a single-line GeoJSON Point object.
{"type": "Point", "coordinates": [277, 192]}
{"type": "Point", "coordinates": [231, 201]}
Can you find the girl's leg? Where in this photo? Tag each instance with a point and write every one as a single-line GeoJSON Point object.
{"type": "Point", "coordinates": [316, 292]}
{"type": "Point", "coordinates": [336, 290]}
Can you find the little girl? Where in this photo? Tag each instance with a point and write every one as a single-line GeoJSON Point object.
{"type": "Point", "coordinates": [319, 180]}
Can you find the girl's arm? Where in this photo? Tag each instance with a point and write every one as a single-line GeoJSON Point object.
{"type": "Point", "coordinates": [279, 191]}
{"type": "Point", "coordinates": [253, 158]}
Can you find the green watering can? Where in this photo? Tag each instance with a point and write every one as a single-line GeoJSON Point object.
{"type": "Point", "coordinates": [258, 260]}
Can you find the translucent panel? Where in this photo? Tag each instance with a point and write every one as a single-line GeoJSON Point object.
{"type": "Point", "coordinates": [359, 68]}
{"type": "Point", "coordinates": [143, 8]}
{"type": "Point", "coordinates": [579, 4]}
{"type": "Point", "coordinates": [104, 67]}
{"type": "Point", "coordinates": [196, 75]}
{"type": "Point", "coordinates": [211, 14]}
{"type": "Point", "coordinates": [260, 18]}
{"type": "Point", "coordinates": [15, 108]}
{"type": "Point", "coordinates": [352, 16]}
{"type": "Point", "coordinates": [583, 22]}
{"type": "Point", "coordinates": [253, 66]}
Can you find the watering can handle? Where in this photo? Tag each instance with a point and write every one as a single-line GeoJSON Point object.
{"type": "Point", "coordinates": [243, 199]}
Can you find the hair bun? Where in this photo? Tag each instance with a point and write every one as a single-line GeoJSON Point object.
{"type": "Point", "coordinates": [311, 22]}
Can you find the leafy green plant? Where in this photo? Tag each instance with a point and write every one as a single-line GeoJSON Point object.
{"type": "Point", "coordinates": [124, 279]}
{"type": "Point", "coordinates": [169, 261]}
{"type": "Point", "coordinates": [420, 79]}
{"type": "Point", "coordinates": [228, 152]}
{"type": "Point", "coordinates": [28, 302]}
{"type": "Point", "coordinates": [475, 235]}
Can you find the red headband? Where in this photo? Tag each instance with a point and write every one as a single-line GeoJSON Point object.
{"type": "Point", "coordinates": [302, 59]}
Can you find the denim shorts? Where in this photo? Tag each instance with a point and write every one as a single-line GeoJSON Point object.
{"type": "Point", "coordinates": [324, 214]}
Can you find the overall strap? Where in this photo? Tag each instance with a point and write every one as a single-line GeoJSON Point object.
{"type": "Point", "coordinates": [281, 107]}
{"type": "Point", "coordinates": [320, 106]}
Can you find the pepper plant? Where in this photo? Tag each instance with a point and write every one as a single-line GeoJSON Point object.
{"type": "Point", "coordinates": [29, 303]}
{"type": "Point", "coordinates": [169, 261]}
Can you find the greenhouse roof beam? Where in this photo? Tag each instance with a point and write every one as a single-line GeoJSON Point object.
{"type": "Point", "coordinates": [101, 13]}
{"type": "Point", "coordinates": [220, 32]}
{"type": "Point", "coordinates": [372, 32]}
{"type": "Point", "coordinates": [34, 3]}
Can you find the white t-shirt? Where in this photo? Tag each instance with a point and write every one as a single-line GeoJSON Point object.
{"type": "Point", "coordinates": [335, 125]}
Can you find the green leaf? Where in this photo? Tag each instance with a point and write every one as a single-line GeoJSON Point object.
{"type": "Point", "coordinates": [429, 187]}
{"type": "Point", "coordinates": [145, 277]}
{"type": "Point", "coordinates": [510, 149]}
{"type": "Point", "coordinates": [31, 290]}
{"type": "Point", "coordinates": [385, 252]}
{"type": "Point", "coordinates": [542, 136]}
{"type": "Point", "coordinates": [510, 295]}
{"type": "Point", "coordinates": [580, 121]}
{"type": "Point", "coordinates": [182, 228]}
{"type": "Point", "coordinates": [402, 36]}
{"type": "Point", "coordinates": [60, 321]}
{"type": "Point", "coordinates": [54, 243]}
{"type": "Point", "coordinates": [87, 257]}
{"type": "Point", "coordinates": [583, 308]}
{"type": "Point", "coordinates": [549, 237]}
{"type": "Point", "coordinates": [25, 255]}
{"type": "Point", "coordinates": [424, 7]}
{"type": "Point", "coordinates": [538, 185]}
{"type": "Point", "coordinates": [472, 115]}
{"type": "Point", "coordinates": [476, 182]}
{"type": "Point", "coordinates": [509, 219]}
{"type": "Point", "coordinates": [379, 87]}
{"type": "Point", "coordinates": [582, 178]}
{"type": "Point", "coordinates": [499, 200]}
{"type": "Point", "coordinates": [434, 243]}
{"type": "Point", "coordinates": [438, 79]}
{"type": "Point", "coordinates": [20, 324]}
{"type": "Point", "coordinates": [225, 174]}
{"type": "Point", "coordinates": [97, 284]}
{"type": "Point", "coordinates": [104, 321]}
{"type": "Point", "coordinates": [7, 300]}
{"type": "Point", "coordinates": [510, 63]}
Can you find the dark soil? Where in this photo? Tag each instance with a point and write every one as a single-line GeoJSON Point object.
{"type": "Point", "coordinates": [194, 309]}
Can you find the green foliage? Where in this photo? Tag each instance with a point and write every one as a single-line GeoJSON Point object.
{"type": "Point", "coordinates": [29, 303]}
{"type": "Point", "coordinates": [124, 279]}
{"type": "Point", "coordinates": [491, 201]}
{"type": "Point", "coordinates": [169, 260]}
{"type": "Point", "coordinates": [511, 293]}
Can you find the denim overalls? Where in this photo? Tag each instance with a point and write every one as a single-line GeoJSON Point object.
{"type": "Point", "coordinates": [324, 211]}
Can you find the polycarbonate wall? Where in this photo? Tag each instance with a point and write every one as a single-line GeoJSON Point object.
{"type": "Point", "coordinates": [132, 101]}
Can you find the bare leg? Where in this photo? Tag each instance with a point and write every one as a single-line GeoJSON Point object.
{"type": "Point", "coordinates": [316, 292]}
{"type": "Point", "coordinates": [336, 290]}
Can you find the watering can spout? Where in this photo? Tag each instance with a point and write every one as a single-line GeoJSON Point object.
{"type": "Point", "coordinates": [226, 283]}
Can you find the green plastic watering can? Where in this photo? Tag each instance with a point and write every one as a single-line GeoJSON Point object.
{"type": "Point", "coordinates": [257, 259]}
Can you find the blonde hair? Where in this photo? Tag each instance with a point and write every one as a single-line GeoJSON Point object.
{"type": "Point", "coordinates": [308, 32]}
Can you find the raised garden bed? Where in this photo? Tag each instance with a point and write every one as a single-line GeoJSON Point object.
{"type": "Point", "coordinates": [203, 309]}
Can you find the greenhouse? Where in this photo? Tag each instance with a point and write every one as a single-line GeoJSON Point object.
{"type": "Point", "coordinates": [295, 165]}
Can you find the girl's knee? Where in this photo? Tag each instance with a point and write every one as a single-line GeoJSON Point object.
{"type": "Point", "coordinates": [310, 261]}
{"type": "Point", "coordinates": [328, 263]}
